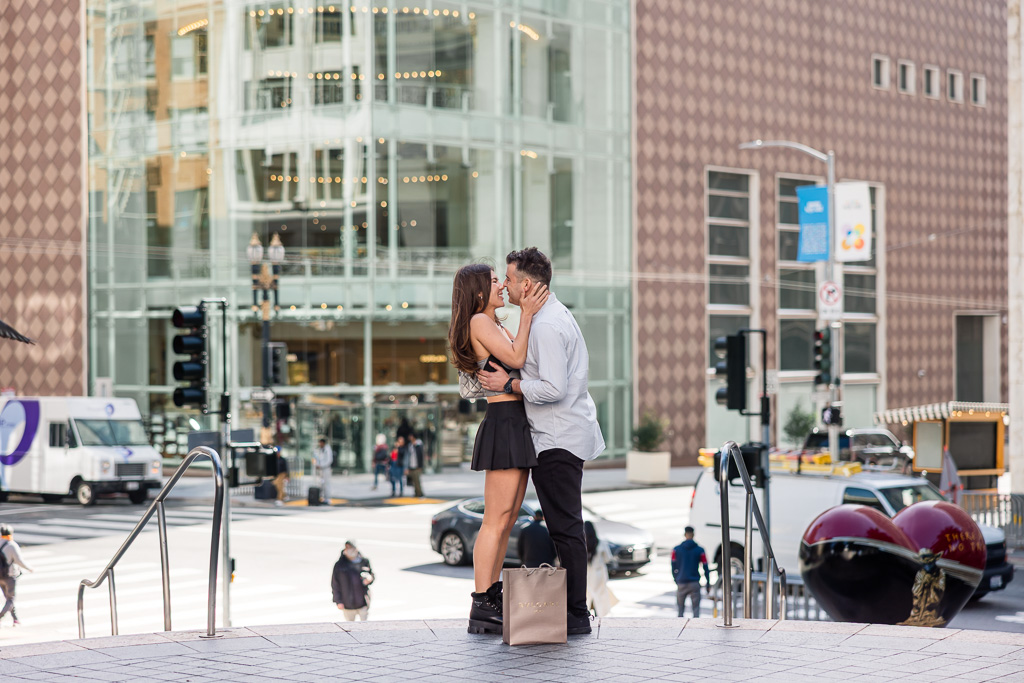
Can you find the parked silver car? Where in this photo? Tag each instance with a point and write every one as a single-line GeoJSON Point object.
{"type": "Point", "coordinates": [453, 534]}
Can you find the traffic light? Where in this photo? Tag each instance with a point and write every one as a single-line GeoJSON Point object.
{"type": "Point", "coordinates": [823, 356]}
{"type": "Point", "coordinates": [278, 364]}
{"type": "Point", "coordinates": [192, 344]}
{"type": "Point", "coordinates": [733, 367]}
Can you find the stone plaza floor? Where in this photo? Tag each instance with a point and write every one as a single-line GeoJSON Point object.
{"type": "Point", "coordinates": [618, 650]}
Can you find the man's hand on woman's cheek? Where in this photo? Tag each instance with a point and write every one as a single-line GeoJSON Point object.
{"type": "Point", "coordinates": [493, 381]}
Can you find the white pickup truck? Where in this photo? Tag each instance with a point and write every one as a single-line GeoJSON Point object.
{"type": "Point", "coordinates": [57, 446]}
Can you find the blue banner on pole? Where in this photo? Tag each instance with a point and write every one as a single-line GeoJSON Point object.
{"type": "Point", "coordinates": [814, 233]}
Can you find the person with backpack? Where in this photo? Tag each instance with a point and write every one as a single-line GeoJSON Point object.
{"type": "Point", "coordinates": [11, 564]}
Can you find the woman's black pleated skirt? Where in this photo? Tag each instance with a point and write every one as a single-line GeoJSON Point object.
{"type": "Point", "coordinates": [503, 440]}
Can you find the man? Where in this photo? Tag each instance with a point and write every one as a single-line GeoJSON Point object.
{"type": "Point", "coordinates": [350, 583]}
{"type": "Point", "coordinates": [415, 464]}
{"type": "Point", "coordinates": [687, 559]}
{"type": "Point", "coordinates": [324, 457]}
{"type": "Point", "coordinates": [11, 563]}
{"type": "Point", "coordinates": [535, 546]}
{"type": "Point", "coordinates": [563, 420]}
{"type": "Point", "coordinates": [281, 479]}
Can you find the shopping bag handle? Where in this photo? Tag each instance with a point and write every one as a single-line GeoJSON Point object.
{"type": "Point", "coordinates": [530, 570]}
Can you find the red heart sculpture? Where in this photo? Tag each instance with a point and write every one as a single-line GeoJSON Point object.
{"type": "Point", "coordinates": [918, 569]}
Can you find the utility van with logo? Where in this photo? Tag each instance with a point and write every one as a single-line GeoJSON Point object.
{"type": "Point", "coordinates": [798, 498]}
{"type": "Point", "coordinates": [84, 447]}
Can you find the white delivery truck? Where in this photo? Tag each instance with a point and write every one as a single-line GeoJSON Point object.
{"type": "Point", "coordinates": [82, 446]}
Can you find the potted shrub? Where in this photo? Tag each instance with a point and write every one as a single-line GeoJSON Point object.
{"type": "Point", "coordinates": [798, 425]}
{"type": "Point", "coordinates": [645, 464]}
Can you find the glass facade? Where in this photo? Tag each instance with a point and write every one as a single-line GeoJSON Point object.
{"type": "Point", "coordinates": [385, 146]}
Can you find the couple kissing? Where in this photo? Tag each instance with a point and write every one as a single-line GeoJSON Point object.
{"type": "Point", "coordinates": [540, 419]}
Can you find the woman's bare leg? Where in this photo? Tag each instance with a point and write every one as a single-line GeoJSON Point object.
{"type": "Point", "coordinates": [501, 488]}
{"type": "Point", "coordinates": [502, 549]}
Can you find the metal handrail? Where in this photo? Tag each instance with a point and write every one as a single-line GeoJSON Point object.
{"type": "Point", "coordinates": [730, 451]}
{"type": "Point", "coordinates": [158, 507]}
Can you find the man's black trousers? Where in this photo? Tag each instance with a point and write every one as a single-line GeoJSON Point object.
{"type": "Point", "coordinates": [558, 479]}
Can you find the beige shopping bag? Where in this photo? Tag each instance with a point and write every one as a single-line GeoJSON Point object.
{"type": "Point", "coordinates": [534, 609]}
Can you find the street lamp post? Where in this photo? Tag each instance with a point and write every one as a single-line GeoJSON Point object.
{"type": "Point", "coordinates": [829, 159]}
{"type": "Point", "coordinates": [264, 279]}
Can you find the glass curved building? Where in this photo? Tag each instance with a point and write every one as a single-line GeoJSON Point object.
{"type": "Point", "coordinates": [384, 145]}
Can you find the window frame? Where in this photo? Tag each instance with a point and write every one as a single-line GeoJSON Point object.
{"type": "Point", "coordinates": [910, 87]}
{"type": "Point", "coordinates": [787, 314]}
{"type": "Point", "coordinates": [978, 80]}
{"type": "Point", "coordinates": [930, 84]}
{"type": "Point", "coordinates": [750, 261]}
{"type": "Point", "coordinates": [954, 86]}
{"type": "Point", "coordinates": [884, 80]}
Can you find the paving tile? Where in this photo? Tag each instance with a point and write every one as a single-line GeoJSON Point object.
{"type": "Point", "coordinates": [289, 629]}
{"type": "Point", "coordinates": [978, 649]}
{"type": "Point", "coordinates": [847, 628]}
{"type": "Point", "coordinates": [12, 651]}
{"type": "Point", "coordinates": [997, 637]}
{"type": "Point", "coordinates": [888, 642]}
{"type": "Point", "coordinates": [61, 659]}
{"type": "Point", "coordinates": [145, 651]}
{"type": "Point", "coordinates": [891, 631]}
{"type": "Point", "coordinates": [305, 639]}
{"type": "Point", "coordinates": [120, 641]}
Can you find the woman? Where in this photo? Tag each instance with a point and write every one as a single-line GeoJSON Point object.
{"type": "Point", "coordinates": [350, 583]}
{"type": "Point", "coordinates": [381, 456]}
{"type": "Point", "coordinates": [503, 448]}
{"type": "Point", "coordinates": [600, 598]}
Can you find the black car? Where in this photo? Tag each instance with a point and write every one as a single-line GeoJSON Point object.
{"type": "Point", "coordinates": [453, 534]}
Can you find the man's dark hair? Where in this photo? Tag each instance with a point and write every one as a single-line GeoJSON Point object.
{"type": "Point", "coordinates": [532, 263]}
{"type": "Point", "coordinates": [688, 530]}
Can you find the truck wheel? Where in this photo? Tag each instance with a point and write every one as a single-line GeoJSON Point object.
{"type": "Point", "coordinates": [84, 493]}
{"type": "Point", "coordinates": [138, 497]}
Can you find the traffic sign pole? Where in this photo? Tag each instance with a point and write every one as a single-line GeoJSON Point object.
{"type": "Point", "coordinates": [830, 272]}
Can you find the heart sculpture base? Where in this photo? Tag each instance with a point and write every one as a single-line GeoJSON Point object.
{"type": "Point", "coordinates": [918, 569]}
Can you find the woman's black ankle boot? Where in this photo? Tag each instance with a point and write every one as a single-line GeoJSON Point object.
{"type": "Point", "coordinates": [485, 616]}
{"type": "Point", "coordinates": [497, 597]}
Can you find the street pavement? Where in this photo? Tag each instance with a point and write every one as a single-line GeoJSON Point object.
{"type": "Point", "coordinates": [618, 650]}
{"type": "Point", "coordinates": [284, 556]}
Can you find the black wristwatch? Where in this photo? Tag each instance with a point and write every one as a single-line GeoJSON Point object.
{"type": "Point", "coordinates": [508, 386]}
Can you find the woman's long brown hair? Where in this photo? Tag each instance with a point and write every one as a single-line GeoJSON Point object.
{"type": "Point", "coordinates": [470, 293]}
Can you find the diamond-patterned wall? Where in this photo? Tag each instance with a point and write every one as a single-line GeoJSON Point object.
{"type": "Point", "coordinates": [714, 73]}
{"type": "Point", "coordinates": [41, 204]}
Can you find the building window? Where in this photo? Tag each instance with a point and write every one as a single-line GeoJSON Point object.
{"type": "Point", "coordinates": [860, 348]}
{"type": "Point", "coordinates": [880, 71]}
{"type": "Point", "coordinates": [907, 77]}
{"type": "Point", "coordinates": [268, 27]}
{"type": "Point", "coordinates": [931, 81]}
{"type": "Point", "coordinates": [860, 305]}
{"type": "Point", "coordinates": [188, 56]}
{"type": "Point", "coordinates": [977, 90]}
{"type": "Point", "coordinates": [728, 240]}
{"type": "Point", "coordinates": [796, 284]}
{"type": "Point", "coordinates": [954, 86]}
{"type": "Point", "coordinates": [269, 94]}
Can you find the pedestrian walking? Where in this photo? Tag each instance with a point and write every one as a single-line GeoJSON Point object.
{"type": "Point", "coordinates": [11, 564]}
{"type": "Point", "coordinates": [381, 456]}
{"type": "Point", "coordinates": [687, 559]}
{"type": "Point", "coordinates": [281, 479]}
{"type": "Point", "coordinates": [415, 465]}
{"type": "Point", "coordinates": [324, 458]}
{"type": "Point", "coordinates": [600, 598]}
{"type": "Point", "coordinates": [350, 583]}
{"type": "Point", "coordinates": [535, 546]}
{"type": "Point", "coordinates": [399, 459]}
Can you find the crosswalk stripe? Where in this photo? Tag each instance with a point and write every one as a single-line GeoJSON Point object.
{"type": "Point", "coordinates": [59, 530]}
{"type": "Point", "coordinates": [34, 540]}
{"type": "Point", "coordinates": [134, 519]}
{"type": "Point", "coordinates": [89, 524]}
{"type": "Point", "coordinates": [38, 577]}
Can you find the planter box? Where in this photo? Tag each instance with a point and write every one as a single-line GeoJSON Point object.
{"type": "Point", "coordinates": [648, 468]}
